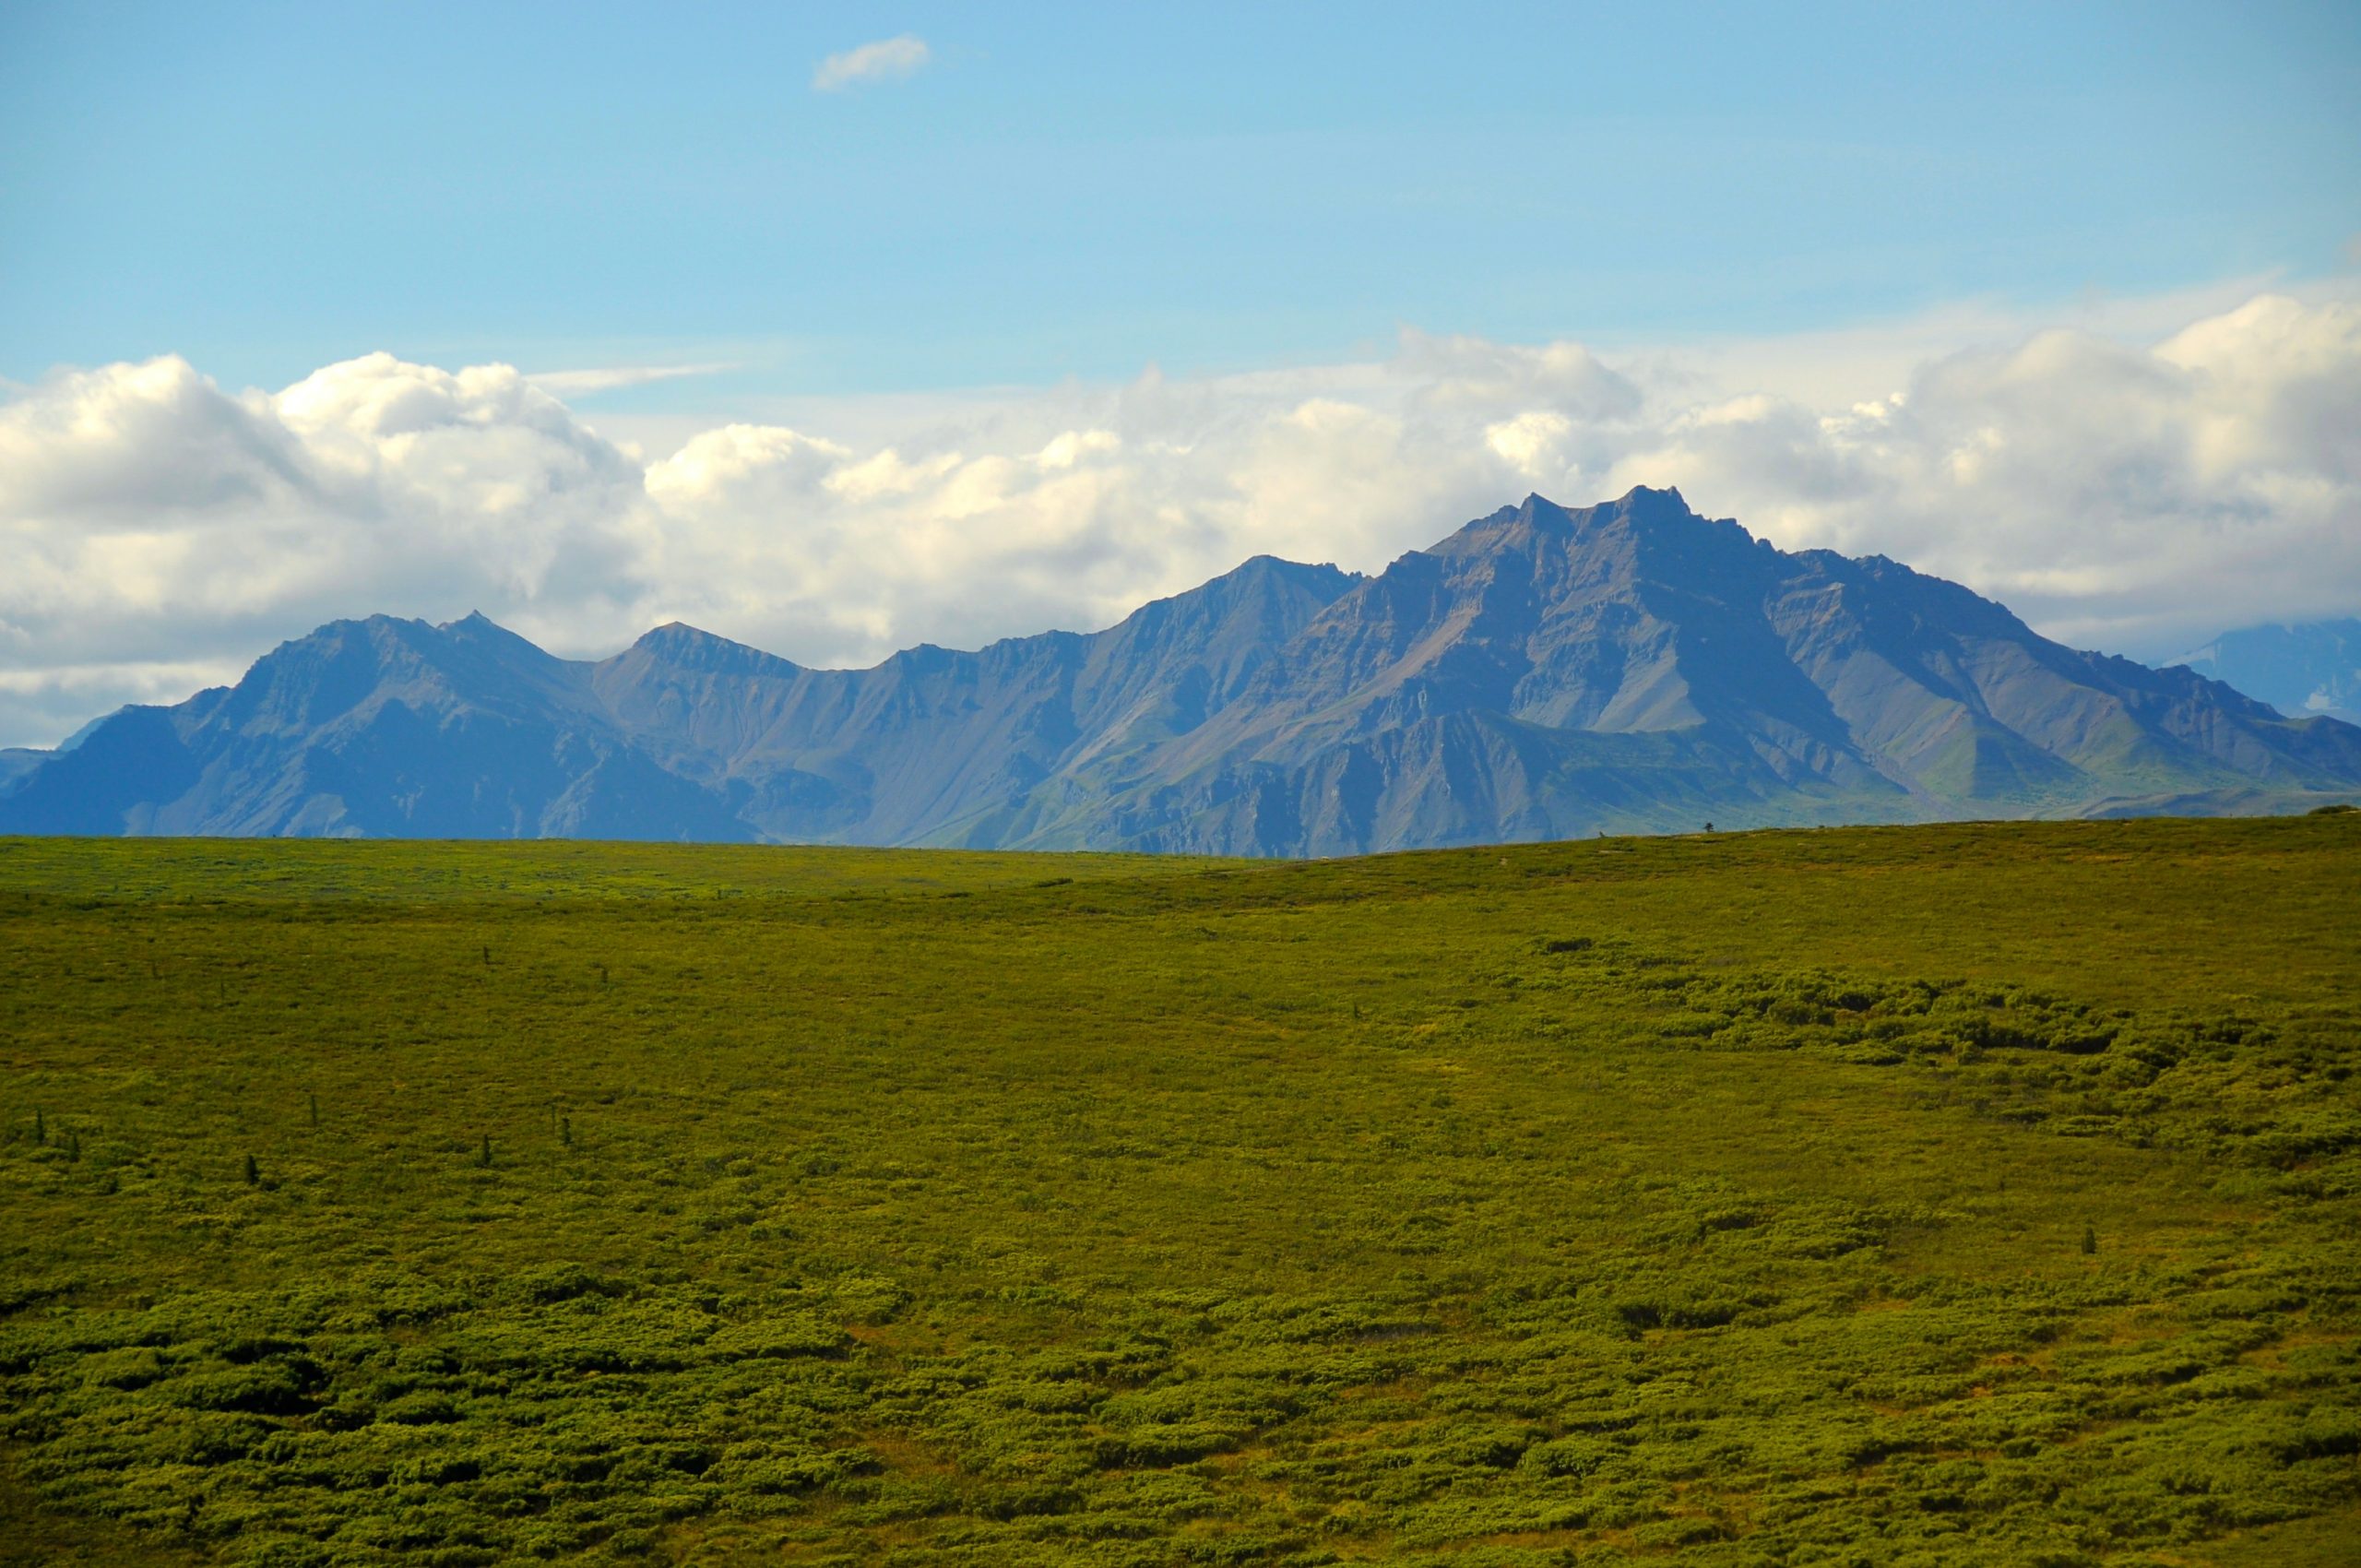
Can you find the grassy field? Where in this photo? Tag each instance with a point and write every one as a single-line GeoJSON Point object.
{"type": "Point", "coordinates": [1968, 1195]}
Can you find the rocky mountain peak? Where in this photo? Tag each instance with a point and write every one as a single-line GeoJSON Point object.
{"type": "Point", "coordinates": [1542, 671]}
{"type": "Point", "coordinates": [681, 646]}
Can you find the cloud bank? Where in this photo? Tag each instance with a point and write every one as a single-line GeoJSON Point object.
{"type": "Point", "coordinates": [161, 532]}
{"type": "Point", "coordinates": [888, 59]}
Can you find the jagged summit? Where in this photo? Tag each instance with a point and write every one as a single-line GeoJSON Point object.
{"type": "Point", "coordinates": [677, 643]}
{"type": "Point", "coordinates": [1543, 670]}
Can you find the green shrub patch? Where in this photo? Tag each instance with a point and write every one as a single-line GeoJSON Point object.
{"type": "Point", "coordinates": [1954, 1195]}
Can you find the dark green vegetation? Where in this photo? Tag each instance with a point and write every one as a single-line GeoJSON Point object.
{"type": "Point", "coordinates": [1967, 1194]}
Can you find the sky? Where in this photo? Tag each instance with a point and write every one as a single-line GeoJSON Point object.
{"type": "Point", "coordinates": [840, 328]}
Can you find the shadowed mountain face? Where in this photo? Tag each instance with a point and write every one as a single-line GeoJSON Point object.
{"type": "Point", "coordinates": [1543, 673]}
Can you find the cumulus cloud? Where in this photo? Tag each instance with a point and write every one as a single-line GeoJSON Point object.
{"type": "Point", "coordinates": [153, 522]}
{"type": "Point", "coordinates": [2116, 494]}
{"type": "Point", "coordinates": [161, 532]}
{"type": "Point", "coordinates": [888, 59]}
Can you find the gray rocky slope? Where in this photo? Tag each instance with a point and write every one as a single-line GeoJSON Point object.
{"type": "Point", "coordinates": [1543, 673]}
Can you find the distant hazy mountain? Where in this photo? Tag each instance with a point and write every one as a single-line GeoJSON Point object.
{"type": "Point", "coordinates": [16, 762]}
{"type": "Point", "coordinates": [2300, 671]}
{"type": "Point", "coordinates": [1543, 673]}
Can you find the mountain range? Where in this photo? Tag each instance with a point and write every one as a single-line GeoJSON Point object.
{"type": "Point", "coordinates": [1543, 673]}
{"type": "Point", "coordinates": [2314, 668]}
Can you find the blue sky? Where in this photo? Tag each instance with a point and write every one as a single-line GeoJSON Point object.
{"type": "Point", "coordinates": [1082, 191]}
{"type": "Point", "coordinates": [593, 317]}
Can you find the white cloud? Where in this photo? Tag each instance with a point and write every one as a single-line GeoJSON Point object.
{"type": "Point", "coordinates": [2129, 492]}
{"type": "Point", "coordinates": [2116, 495]}
{"type": "Point", "coordinates": [745, 467]}
{"type": "Point", "coordinates": [888, 59]}
{"type": "Point", "coordinates": [149, 519]}
{"type": "Point", "coordinates": [1072, 446]}
{"type": "Point", "coordinates": [587, 383]}
{"type": "Point", "coordinates": [1534, 445]}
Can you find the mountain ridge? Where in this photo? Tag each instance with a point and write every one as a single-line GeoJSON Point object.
{"type": "Point", "coordinates": [1541, 672]}
{"type": "Point", "coordinates": [2302, 669]}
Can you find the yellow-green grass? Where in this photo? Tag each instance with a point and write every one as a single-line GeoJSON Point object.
{"type": "Point", "coordinates": [1963, 1194]}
